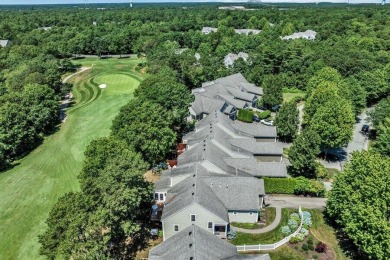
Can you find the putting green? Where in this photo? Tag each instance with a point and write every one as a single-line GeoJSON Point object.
{"type": "Point", "coordinates": [29, 190]}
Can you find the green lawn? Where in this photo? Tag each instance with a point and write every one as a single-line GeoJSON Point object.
{"type": "Point", "coordinates": [29, 190]}
{"type": "Point", "coordinates": [266, 238]}
{"type": "Point", "coordinates": [270, 213]}
{"type": "Point", "coordinates": [325, 233]}
{"type": "Point", "coordinates": [289, 96]}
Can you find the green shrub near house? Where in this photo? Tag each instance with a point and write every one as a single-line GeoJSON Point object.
{"type": "Point", "coordinates": [265, 114]}
{"type": "Point", "coordinates": [245, 115]}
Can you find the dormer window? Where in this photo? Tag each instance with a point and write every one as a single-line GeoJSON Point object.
{"type": "Point", "coordinates": [193, 217]}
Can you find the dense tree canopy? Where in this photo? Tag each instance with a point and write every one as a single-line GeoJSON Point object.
{"type": "Point", "coordinates": [147, 127]}
{"type": "Point", "coordinates": [168, 93]}
{"type": "Point", "coordinates": [359, 203]}
{"type": "Point", "coordinates": [334, 122]}
{"type": "Point", "coordinates": [108, 219]}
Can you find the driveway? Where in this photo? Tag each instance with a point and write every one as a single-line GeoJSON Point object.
{"type": "Point", "coordinates": [284, 201]}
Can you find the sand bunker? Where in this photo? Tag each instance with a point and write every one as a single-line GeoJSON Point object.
{"type": "Point", "coordinates": [102, 86]}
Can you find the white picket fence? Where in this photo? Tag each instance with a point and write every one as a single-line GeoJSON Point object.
{"type": "Point", "coordinates": [268, 247]}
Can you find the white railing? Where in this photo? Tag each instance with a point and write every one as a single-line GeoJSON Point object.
{"type": "Point", "coordinates": [267, 247]}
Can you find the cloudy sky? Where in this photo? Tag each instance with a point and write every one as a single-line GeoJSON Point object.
{"type": "Point", "coordinates": [30, 2]}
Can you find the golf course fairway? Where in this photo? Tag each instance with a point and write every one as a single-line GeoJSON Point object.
{"type": "Point", "coordinates": [29, 190]}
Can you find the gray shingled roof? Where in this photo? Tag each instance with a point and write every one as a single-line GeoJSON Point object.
{"type": "Point", "coordinates": [193, 242]}
{"type": "Point", "coordinates": [255, 130]}
{"type": "Point", "coordinates": [237, 193]}
{"type": "Point", "coordinates": [240, 94]}
{"type": "Point", "coordinates": [250, 257]}
{"type": "Point", "coordinates": [257, 148]}
{"type": "Point", "coordinates": [252, 88]}
{"type": "Point", "coordinates": [259, 169]}
{"type": "Point", "coordinates": [232, 101]}
{"type": "Point", "coordinates": [194, 190]}
{"type": "Point", "coordinates": [204, 104]}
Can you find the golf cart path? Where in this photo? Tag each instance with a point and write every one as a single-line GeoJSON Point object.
{"type": "Point", "coordinates": [279, 202]}
{"type": "Point", "coordinates": [68, 98]}
{"type": "Point", "coordinates": [82, 69]}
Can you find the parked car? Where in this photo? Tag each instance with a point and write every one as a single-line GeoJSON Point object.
{"type": "Point", "coordinates": [256, 118]}
{"type": "Point", "coordinates": [267, 122]}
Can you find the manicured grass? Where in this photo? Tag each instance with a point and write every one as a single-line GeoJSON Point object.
{"type": "Point", "coordinates": [270, 213]}
{"type": "Point", "coordinates": [29, 190]}
{"type": "Point", "coordinates": [266, 238]}
{"type": "Point", "coordinates": [289, 96]}
{"type": "Point", "coordinates": [325, 233]}
{"type": "Point", "coordinates": [286, 253]}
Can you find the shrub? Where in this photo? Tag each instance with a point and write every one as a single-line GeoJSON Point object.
{"type": "Point", "coordinates": [321, 247]}
{"type": "Point", "coordinates": [300, 237]}
{"type": "Point", "coordinates": [296, 247]}
{"type": "Point", "coordinates": [304, 232]}
{"type": "Point", "coordinates": [160, 233]}
{"type": "Point", "coordinates": [265, 114]}
{"type": "Point", "coordinates": [245, 115]}
{"type": "Point", "coordinates": [315, 256]}
{"type": "Point", "coordinates": [307, 222]}
{"type": "Point", "coordinates": [310, 240]}
{"type": "Point", "coordinates": [292, 224]}
{"type": "Point", "coordinates": [295, 216]}
{"type": "Point", "coordinates": [294, 240]}
{"type": "Point", "coordinates": [305, 247]}
{"type": "Point", "coordinates": [231, 234]}
{"type": "Point", "coordinates": [311, 247]}
{"type": "Point", "coordinates": [286, 230]}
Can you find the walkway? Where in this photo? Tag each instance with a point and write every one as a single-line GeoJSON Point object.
{"type": "Point", "coordinates": [282, 201]}
{"type": "Point", "coordinates": [266, 229]}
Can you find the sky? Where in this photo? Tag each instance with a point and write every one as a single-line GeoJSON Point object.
{"type": "Point", "coordinates": [32, 2]}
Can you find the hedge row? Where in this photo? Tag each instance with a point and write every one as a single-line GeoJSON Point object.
{"type": "Point", "coordinates": [280, 185]}
{"type": "Point", "coordinates": [245, 115]}
{"type": "Point", "coordinates": [297, 186]}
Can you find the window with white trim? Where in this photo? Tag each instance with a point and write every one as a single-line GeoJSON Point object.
{"type": "Point", "coordinates": [155, 196]}
{"type": "Point", "coordinates": [161, 196]}
{"type": "Point", "coordinates": [193, 218]}
{"type": "Point", "coordinates": [209, 224]}
{"type": "Point", "coordinates": [176, 228]}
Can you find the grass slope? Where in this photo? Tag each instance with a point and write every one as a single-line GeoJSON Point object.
{"type": "Point", "coordinates": [29, 190]}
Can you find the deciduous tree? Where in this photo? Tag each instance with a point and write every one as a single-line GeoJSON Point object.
{"type": "Point", "coordinates": [272, 91]}
{"type": "Point", "coordinates": [359, 203]}
{"type": "Point", "coordinates": [287, 120]}
{"type": "Point", "coordinates": [303, 153]}
{"type": "Point", "coordinates": [334, 123]}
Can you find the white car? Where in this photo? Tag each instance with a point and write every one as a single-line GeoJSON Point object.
{"type": "Point", "coordinates": [267, 122]}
